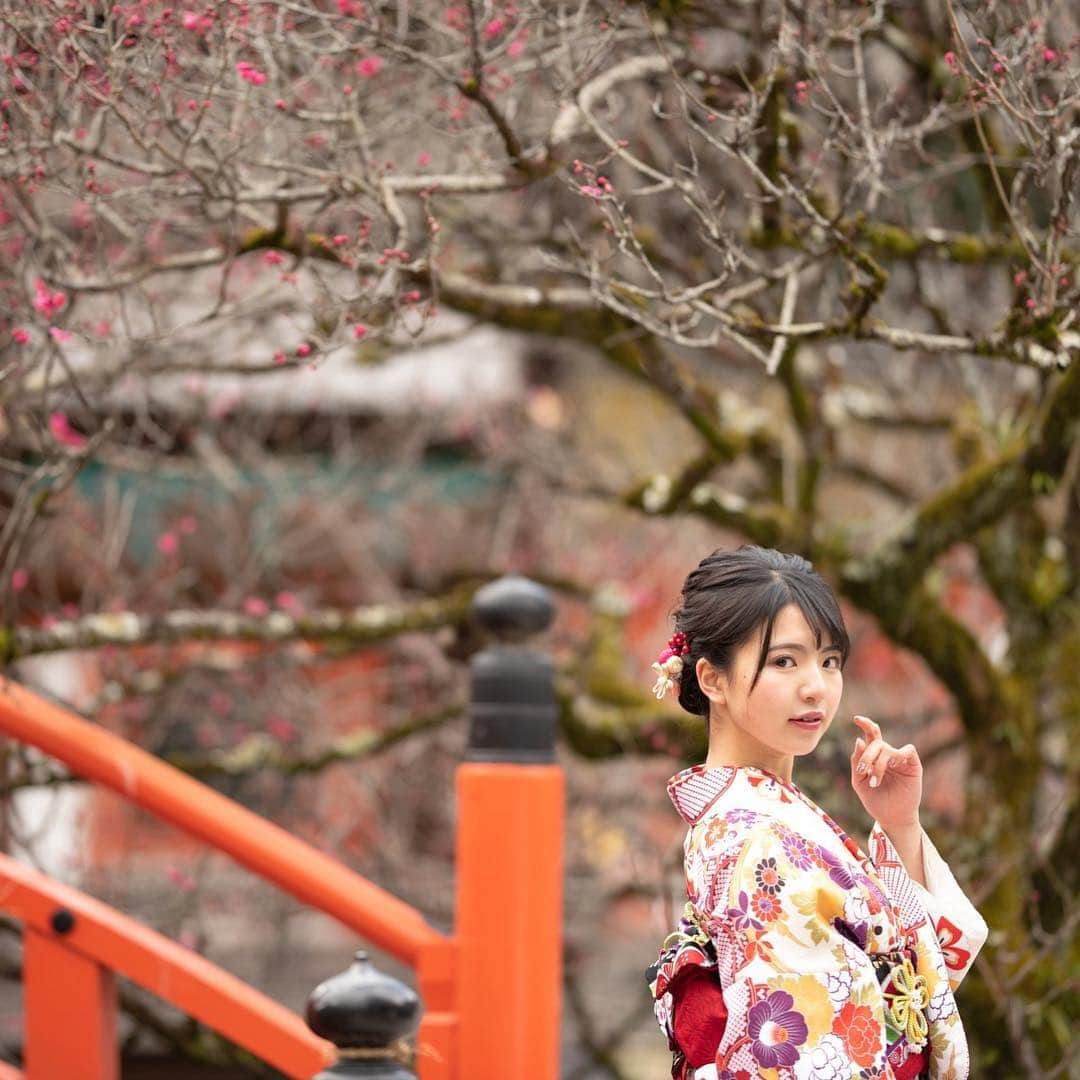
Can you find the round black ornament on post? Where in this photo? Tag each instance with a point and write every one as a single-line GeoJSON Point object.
{"type": "Point", "coordinates": [513, 687]}
{"type": "Point", "coordinates": [367, 1015]}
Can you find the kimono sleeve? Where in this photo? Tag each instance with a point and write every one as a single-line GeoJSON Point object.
{"type": "Point", "coordinates": [961, 931]}
{"type": "Point", "coordinates": [800, 990]}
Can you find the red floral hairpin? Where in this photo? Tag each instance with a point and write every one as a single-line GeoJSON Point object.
{"type": "Point", "coordinates": [669, 665]}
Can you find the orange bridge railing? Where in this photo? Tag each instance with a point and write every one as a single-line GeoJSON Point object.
{"type": "Point", "coordinates": [491, 992]}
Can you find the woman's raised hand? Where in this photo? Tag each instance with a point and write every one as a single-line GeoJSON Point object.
{"type": "Point", "coordinates": [887, 780]}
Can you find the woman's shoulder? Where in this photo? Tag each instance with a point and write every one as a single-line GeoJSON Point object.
{"type": "Point", "coordinates": [700, 792]}
{"type": "Point", "coordinates": [732, 830]}
{"type": "Point", "coordinates": [746, 855]}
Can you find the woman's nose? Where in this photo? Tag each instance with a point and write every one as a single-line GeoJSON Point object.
{"type": "Point", "coordinates": [814, 685]}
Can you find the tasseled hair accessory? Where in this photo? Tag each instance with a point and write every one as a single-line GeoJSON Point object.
{"type": "Point", "coordinates": [669, 665]}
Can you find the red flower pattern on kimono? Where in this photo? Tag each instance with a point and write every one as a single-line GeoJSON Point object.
{"type": "Point", "coordinates": [948, 935]}
{"type": "Point", "coordinates": [855, 1024]}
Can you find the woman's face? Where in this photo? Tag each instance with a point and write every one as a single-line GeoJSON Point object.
{"type": "Point", "coordinates": [761, 726]}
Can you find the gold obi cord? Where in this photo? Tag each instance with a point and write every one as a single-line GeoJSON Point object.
{"type": "Point", "coordinates": [697, 936]}
{"type": "Point", "coordinates": [906, 999]}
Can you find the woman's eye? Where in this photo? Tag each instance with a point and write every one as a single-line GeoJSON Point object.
{"type": "Point", "coordinates": [781, 659]}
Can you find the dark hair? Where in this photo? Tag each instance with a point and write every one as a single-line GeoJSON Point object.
{"type": "Point", "coordinates": [733, 593]}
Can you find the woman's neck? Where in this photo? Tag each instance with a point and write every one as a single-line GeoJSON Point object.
{"type": "Point", "coordinates": [726, 751]}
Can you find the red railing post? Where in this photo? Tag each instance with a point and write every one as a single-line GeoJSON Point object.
{"type": "Point", "coordinates": [510, 850]}
{"type": "Point", "coordinates": [436, 1041]}
{"type": "Point", "coordinates": [69, 1008]}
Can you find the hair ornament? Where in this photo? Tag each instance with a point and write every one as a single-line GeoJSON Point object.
{"type": "Point", "coordinates": [669, 664]}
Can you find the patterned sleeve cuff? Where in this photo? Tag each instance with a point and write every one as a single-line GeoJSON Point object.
{"type": "Point", "coordinates": [960, 929]}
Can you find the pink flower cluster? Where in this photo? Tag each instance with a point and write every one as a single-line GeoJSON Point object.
{"type": "Point", "coordinates": [48, 303]}
{"type": "Point", "coordinates": [199, 24]}
{"type": "Point", "coordinates": [369, 67]}
{"type": "Point", "coordinates": [394, 253]}
{"type": "Point", "coordinates": [250, 73]}
{"type": "Point", "coordinates": [64, 433]}
{"type": "Point", "coordinates": [598, 190]}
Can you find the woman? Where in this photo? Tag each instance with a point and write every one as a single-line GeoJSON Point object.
{"type": "Point", "coordinates": [798, 955]}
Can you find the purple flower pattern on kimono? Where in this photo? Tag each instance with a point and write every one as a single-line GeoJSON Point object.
{"type": "Point", "coordinates": [776, 974]}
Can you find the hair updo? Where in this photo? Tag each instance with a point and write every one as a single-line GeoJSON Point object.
{"type": "Point", "coordinates": [733, 594]}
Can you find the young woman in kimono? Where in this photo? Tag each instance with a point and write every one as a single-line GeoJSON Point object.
{"type": "Point", "coordinates": [799, 954]}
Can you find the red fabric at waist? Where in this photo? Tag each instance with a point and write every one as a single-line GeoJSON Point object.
{"type": "Point", "coordinates": [699, 1017]}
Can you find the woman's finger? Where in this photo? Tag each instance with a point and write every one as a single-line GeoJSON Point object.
{"type": "Point", "coordinates": [870, 756]}
{"type": "Point", "coordinates": [891, 758]}
{"type": "Point", "coordinates": [856, 755]}
{"type": "Point", "coordinates": [905, 757]}
{"type": "Point", "coordinates": [881, 763]}
{"type": "Point", "coordinates": [868, 727]}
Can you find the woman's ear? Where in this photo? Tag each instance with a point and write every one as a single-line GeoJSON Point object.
{"type": "Point", "coordinates": [711, 680]}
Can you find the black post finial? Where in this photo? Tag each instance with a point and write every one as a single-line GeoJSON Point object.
{"type": "Point", "coordinates": [513, 687]}
{"type": "Point", "coordinates": [367, 1015]}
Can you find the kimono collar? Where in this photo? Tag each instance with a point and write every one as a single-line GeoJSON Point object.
{"type": "Point", "coordinates": [694, 790]}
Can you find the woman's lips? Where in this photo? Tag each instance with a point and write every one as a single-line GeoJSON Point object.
{"type": "Point", "coordinates": [808, 724]}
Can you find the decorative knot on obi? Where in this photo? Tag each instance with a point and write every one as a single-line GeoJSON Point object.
{"type": "Point", "coordinates": [689, 932]}
{"type": "Point", "coordinates": [905, 994]}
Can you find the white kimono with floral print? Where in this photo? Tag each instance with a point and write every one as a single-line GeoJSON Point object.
{"type": "Point", "coordinates": [797, 913]}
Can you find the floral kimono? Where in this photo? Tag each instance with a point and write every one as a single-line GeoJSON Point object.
{"type": "Point", "coordinates": [833, 965]}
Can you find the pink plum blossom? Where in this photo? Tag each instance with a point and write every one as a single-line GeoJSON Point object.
{"type": "Point", "coordinates": [64, 433]}
{"type": "Point", "coordinates": [48, 303]}
{"type": "Point", "coordinates": [168, 543]}
{"type": "Point", "coordinates": [250, 73]}
{"type": "Point", "coordinates": [289, 602]}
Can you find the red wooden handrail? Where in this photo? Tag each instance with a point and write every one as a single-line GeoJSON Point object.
{"type": "Point", "coordinates": [254, 842]}
{"type": "Point", "coordinates": [104, 939]}
{"type": "Point", "coordinates": [269, 851]}
{"type": "Point", "coordinates": [490, 994]}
